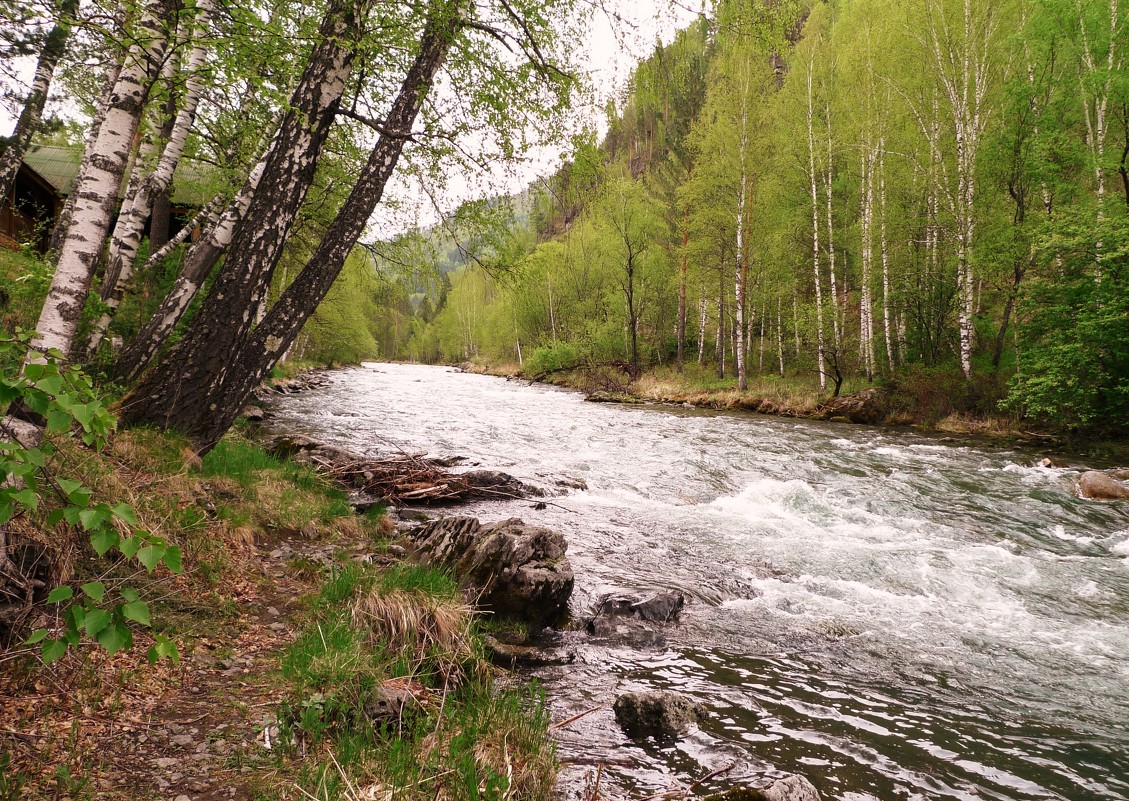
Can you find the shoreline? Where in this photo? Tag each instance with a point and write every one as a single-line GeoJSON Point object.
{"type": "Point", "coordinates": [874, 406]}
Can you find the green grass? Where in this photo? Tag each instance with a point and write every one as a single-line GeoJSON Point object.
{"type": "Point", "coordinates": [465, 738]}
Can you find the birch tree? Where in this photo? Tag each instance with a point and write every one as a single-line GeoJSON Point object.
{"type": "Point", "coordinates": [54, 47]}
{"type": "Point", "coordinates": [98, 182]}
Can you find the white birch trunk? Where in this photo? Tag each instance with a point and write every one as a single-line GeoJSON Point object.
{"type": "Point", "coordinates": [97, 189]}
{"type": "Point", "coordinates": [702, 314]}
{"type": "Point", "coordinates": [836, 311]}
{"type": "Point", "coordinates": [819, 344]}
{"type": "Point", "coordinates": [885, 250]}
{"type": "Point", "coordinates": [741, 272]}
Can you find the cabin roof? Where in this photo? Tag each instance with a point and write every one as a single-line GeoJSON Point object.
{"type": "Point", "coordinates": [193, 183]}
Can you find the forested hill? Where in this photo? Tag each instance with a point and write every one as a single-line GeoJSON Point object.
{"type": "Point", "coordinates": [929, 193]}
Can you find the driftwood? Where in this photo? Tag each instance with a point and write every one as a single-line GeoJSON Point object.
{"type": "Point", "coordinates": [413, 479]}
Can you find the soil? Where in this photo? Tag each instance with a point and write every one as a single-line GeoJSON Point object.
{"type": "Point", "coordinates": [93, 726]}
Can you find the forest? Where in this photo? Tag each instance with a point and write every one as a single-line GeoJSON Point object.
{"type": "Point", "coordinates": [926, 194]}
{"type": "Point", "coordinates": [826, 196]}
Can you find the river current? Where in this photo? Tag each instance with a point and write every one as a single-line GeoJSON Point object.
{"type": "Point", "coordinates": [891, 615]}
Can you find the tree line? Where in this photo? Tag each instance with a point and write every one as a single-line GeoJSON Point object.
{"type": "Point", "coordinates": [852, 189]}
{"type": "Point", "coordinates": [304, 113]}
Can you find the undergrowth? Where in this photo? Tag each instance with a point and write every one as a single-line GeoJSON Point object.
{"type": "Point", "coordinates": [390, 688]}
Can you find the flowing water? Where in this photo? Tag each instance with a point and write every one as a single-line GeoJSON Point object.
{"type": "Point", "coordinates": [892, 616]}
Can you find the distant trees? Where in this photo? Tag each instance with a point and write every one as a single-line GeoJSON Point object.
{"type": "Point", "coordinates": [903, 188]}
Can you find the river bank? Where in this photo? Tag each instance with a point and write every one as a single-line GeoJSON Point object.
{"type": "Point", "coordinates": [921, 405]}
{"type": "Point", "coordinates": [888, 613]}
{"type": "Point", "coordinates": [289, 681]}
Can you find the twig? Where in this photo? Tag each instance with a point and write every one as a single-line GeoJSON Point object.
{"type": "Point", "coordinates": [577, 717]}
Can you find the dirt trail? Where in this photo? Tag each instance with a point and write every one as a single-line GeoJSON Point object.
{"type": "Point", "coordinates": [198, 731]}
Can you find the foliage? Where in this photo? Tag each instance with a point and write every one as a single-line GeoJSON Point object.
{"type": "Point", "coordinates": [63, 397]}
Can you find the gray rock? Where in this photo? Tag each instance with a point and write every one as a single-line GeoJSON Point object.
{"type": "Point", "coordinates": [502, 484]}
{"type": "Point", "coordinates": [663, 606]}
{"type": "Point", "coordinates": [288, 445]}
{"type": "Point", "coordinates": [1098, 486]}
{"type": "Point", "coordinates": [254, 414]}
{"type": "Point", "coordinates": [1120, 473]}
{"type": "Point", "coordinates": [515, 570]}
{"type": "Point", "coordinates": [624, 632]}
{"type": "Point", "coordinates": [790, 788]}
{"type": "Point", "coordinates": [511, 655]}
{"type": "Point", "coordinates": [389, 704]}
{"type": "Point", "coordinates": [662, 714]}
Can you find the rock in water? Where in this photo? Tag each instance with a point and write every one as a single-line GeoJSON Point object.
{"type": "Point", "coordinates": [660, 714]}
{"type": "Point", "coordinates": [516, 570]}
{"type": "Point", "coordinates": [790, 788]}
{"type": "Point", "coordinates": [1098, 486]}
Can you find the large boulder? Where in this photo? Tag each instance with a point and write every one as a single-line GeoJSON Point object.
{"type": "Point", "coordinates": [515, 570]}
{"type": "Point", "coordinates": [1098, 486]}
{"type": "Point", "coordinates": [663, 714]}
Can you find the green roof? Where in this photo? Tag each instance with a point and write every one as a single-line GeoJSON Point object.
{"type": "Point", "coordinates": [194, 183]}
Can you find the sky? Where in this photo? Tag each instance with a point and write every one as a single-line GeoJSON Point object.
{"type": "Point", "coordinates": [621, 35]}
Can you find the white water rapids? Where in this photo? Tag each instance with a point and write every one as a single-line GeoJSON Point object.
{"type": "Point", "coordinates": [891, 615]}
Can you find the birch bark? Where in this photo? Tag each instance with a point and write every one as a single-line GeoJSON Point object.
{"type": "Point", "coordinates": [97, 187]}
{"type": "Point", "coordinates": [12, 155]}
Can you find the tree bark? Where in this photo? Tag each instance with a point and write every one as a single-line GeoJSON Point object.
{"type": "Point", "coordinates": [819, 344]}
{"type": "Point", "coordinates": [206, 422]}
{"type": "Point", "coordinates": [97, 188]}
{"type": "Point", "coordinates": [54, 46]}
{"type": "Point", "coordinates": [179, 392]}
{"type": "Point", "coordinates": [138, 206]}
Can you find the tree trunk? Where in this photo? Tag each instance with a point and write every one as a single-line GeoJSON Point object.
{"type": "Point", "coordinates": [836, 311]}
{"type": "Point", "coordinates": [819, 344]}
{"type": "Point", "coordinates": [178, 392]}
{"type": "Point", "coordinates": [264, 346]}
{"type": "Point", "coordinates": [54, 46]}
{"type": "Point", "coordinates": [138, 206]}
{"type": "Point", "coordinates": [885, 251]}
{"type": "Point", "coordinates": [97, 187]}
{"type": "Point", "coordinates": [194, 270]}
{"type": "Point", "coordinates": [741, 273]}
{"type": "Point", "coordinates": [682, 287]}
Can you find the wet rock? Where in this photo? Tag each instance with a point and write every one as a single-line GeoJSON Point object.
{"type": "Point", "coordinates": [512, 655]}
{"type": "Point", "coordinates": [1050, 461]}
{"type": "Point", "coordinates": [790, 788]}
{"type": "Point", "coordinates": [495, 482]}
{"type": "Point", "coordinates": [662, 607]}
{"type": "Point", "coordinates": [624, 632]}
{"type": "Point", "coordinates": [1098, 486]}
{"type": "Point", "coordinates": [1120, 473]}
{"type": "Point", "coordinates": [571, 482]}
{"type": "Point", "coordinates": [516, 570]}
{"type": "Point", "coordinates": [254, 414]}
{"type": "Point", "coordinates": [659, 714]}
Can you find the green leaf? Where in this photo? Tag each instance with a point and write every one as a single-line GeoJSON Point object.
{"type": "Point", "coordinates": [37, 401]}
{"type": "Point", "coordinates": [27, 498]}
{"type": "Point", "coordinates": [55, 516]}
{"type": "Point", "coordinates": [130, 594]}
{"type": "Point", "coordinates": [92, 518]}
{"type": "Point", "coordinates": [125, 513]}
{"type": "Point", "coordinates": [58, 421]}
{"type": "Point", "coordinates": [36, 636]}
{"type": "Point", "coordinates": [114, 637]}
{"type": "Point", "coordinates": [34, 371]}
{"type": "Point", "coordinates": [150, 556]}
{"type": "Point", "coordinates": [96, 621]}
{"type": "Point", "coordinates": [129, 546]}
{"type": "Point", "coordinates": [103, 540]}
{"type": "Point", "coordinates": [172, 560]}
{"type": "Point", "coordinates": [60, 594]}
{"type": "Point", "coordinates": [95, 590]}
{"type": "Point", "coordinates": [52, 650]}
{"type": "Point", "coordinates": [137, 611]}
{"type": "Point", "coordinates": [69, 485]}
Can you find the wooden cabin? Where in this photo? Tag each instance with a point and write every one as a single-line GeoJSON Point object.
{"type": "Point", "coordinates": [46, 178]}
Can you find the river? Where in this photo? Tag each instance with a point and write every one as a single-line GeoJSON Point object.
{"type": "Point", "coordinates": [893, 616]}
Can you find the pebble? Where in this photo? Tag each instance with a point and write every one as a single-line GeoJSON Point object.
{"type": "Point", "coordinates": [182, 739]}
{"type": "Point", "coordinates": [183, 798]}
{"type": "Point", "coordinates": [165, 762]}
{"type": "Point", "coordinates": [272, 611]}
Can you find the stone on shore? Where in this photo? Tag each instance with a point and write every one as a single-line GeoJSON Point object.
{"type": "Point", "coordinates": [790, 788]}
{"type": "Point", "coordinates": [513, 569]}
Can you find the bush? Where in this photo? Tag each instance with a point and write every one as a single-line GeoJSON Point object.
{"type": "Point", "coordinates": [552, 359]}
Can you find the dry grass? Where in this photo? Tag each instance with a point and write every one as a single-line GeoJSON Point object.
{"type": "Point", "coordinates": [423, 625]}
